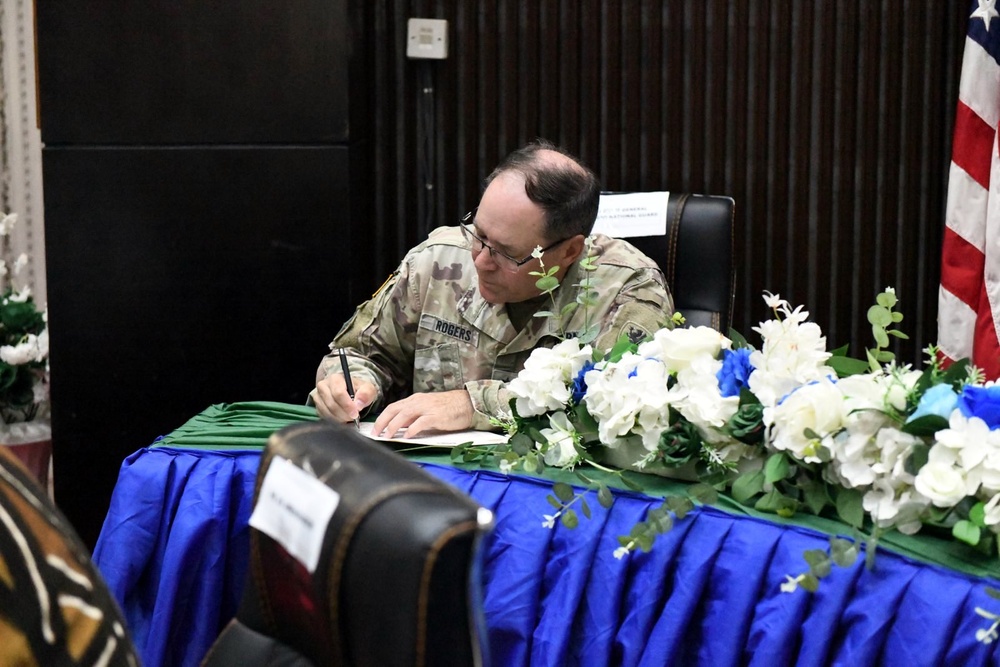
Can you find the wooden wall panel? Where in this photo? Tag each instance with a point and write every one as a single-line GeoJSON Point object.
{"type": "Point", "coordinates": [828, 122]}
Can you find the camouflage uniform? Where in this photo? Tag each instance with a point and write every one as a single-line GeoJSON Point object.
{"type": "Point", "coordinates": [429, 329]}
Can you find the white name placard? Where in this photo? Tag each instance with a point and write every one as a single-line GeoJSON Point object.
{"type": "Point", "coordinates": [294, 509]}
{"type": "Point", "coordinates": [632, 214]}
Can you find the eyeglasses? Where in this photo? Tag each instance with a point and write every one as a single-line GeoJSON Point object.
{"type": "Point", "coordinates": [503, 260]}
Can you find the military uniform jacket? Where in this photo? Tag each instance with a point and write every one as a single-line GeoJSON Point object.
{"type": "Point", "coordinates": [429, 329]}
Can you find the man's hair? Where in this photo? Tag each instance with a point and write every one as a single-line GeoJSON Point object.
{"type": "Point", "coordinates": [568, 193]}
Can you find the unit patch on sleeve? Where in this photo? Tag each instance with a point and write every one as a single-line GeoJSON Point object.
{"type": "Point", "coordinates": [456, 331]}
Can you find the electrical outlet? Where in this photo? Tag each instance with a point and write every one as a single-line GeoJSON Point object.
{"type": "Point", "coordinates": [427, 38]}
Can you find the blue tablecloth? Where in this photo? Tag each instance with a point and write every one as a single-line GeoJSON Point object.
{"type": "Point", "coordinates": [174, 553]}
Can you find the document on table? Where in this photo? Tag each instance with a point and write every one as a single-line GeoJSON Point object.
{"type": "Point", "coordinates": [442, 439]}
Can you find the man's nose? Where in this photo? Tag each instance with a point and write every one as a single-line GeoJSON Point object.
{"type": "Point", "coordinates": [484, 260]}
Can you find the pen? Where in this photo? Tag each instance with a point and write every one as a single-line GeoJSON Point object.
{"type": "Point", "coordinates": [347, 380]}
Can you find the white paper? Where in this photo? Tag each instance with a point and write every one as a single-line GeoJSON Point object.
{"type": "Point", "coordinates": [443, 439]}
{"type": "Point", "coordinates": [294, 509]}
{"type": "Point", "coordinates": [630, 214]}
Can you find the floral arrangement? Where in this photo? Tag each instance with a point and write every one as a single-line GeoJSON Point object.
{"type": "Point", "coordinates": [24, 340]}
{"type": "Point", "coordinates": [789, 427]}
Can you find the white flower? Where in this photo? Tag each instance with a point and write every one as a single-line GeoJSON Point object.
{"type": "Point", "coordinates": [992, 509]}
{"type": "Point", "coordinates": [942, 483]}
{"type": "Point", "coordinates": [700, 401]}
{"type": "Point", "coordinates": [550, 520]}
{"type": "Point", "coordinates": [506, 466]}
{"type": "Point", "coordinates": [537, 252]}
{"type": "Point", "coordinates": [544, 383]}
{"type": "Point", "coordinates": [774, 301]}
{"type": "Point", "coordinates": [7, 223]}
{"type": "Point", "coordinates": [560, 439]}
{"type": "Point", "coordinates": [20, 263]}
{"type": "Point", "coordinates": [629, 397]}
{"type": "Point", "coordinates": [791, 583]}
{"type": "Point", "coordinates": [677, 347]}
{"type": "Point", "coordinates": [817, 408]}
{"type": "Point", "coordinates": [793, 353]}
{"type": "Point", "coordinates": [22, 295]}
{"type": "Point", "coordinates": [621, 552]}
{"type": "Point", "coordinates": [28, 350]}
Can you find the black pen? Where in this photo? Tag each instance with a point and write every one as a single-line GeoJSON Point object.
{"type": "Point", "coordinates": [347, 380]}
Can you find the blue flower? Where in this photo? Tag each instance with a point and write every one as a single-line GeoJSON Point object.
{"type": "Point", "coordinates": [982, 402]}
{"type": "Point", "coordinates": [579, 384]}
{"type": "Point", "coordinates": [735, 371]}
{"type": "Point", "coordinates": [940, 400]}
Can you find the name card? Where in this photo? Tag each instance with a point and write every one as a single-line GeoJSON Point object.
{"type": "Point", "coordinates": [294, 509]}
{"type": "Point", "coordinates": [632, 214]}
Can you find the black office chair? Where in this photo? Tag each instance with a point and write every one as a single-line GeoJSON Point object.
{"type": "Point", "coordinates": [397, 581]}
{"type": "Point", "coordinates": [696, 255]}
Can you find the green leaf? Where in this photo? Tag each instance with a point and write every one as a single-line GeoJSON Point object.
{"type": "Point", "coordinates": [815, 496]}
{"type": "Point", "coordinates": [585, 508]}
{"type": "Point", "coordinates": [680, 505]}
{"type": "Point", "coordinates": [544, 313]}
{"type": "Point", "coordinates": [925, 425]}
{"type": "Point", "coordinates": [776, 468]}
{"type": "Point", "coordinates": [846, 366]}
{"type": "Point", "coordinates": [747, 486]}
{"type": "Point", "coordinates": [605, 497]}
{"type": "Point", "coordinates": [886, 300]}
{"type": "Point", "coordinates": [967, 532]}
{"type": "Point", "coordinates": [993, 592]}
{"type": "Point", "coordinates": [737, 338]}
{"type": "Point", "coordinates": [898, 334]}
{"type": "Point", "coordinates": [881, 339]}
{"type": "Point", "coordinates": [554, 501]}
{"type": "Point", "coordinates": [776, 503]}
{"type": "Point", "coordinates": [917, 459]}
{"type": "Point", "coordinates": [630, 484]}
{"type": "Point", "coordinates": [569, 519]}
{"type": "Point", "coordinates": [885, 356]}
{"type": "Point", "coordinates": [703, 493]}
{"type": "Point", "coordinates": [810, 583]}
{"type": "Point", "coordinates": [879, 317]}
{"type": "Point", "coordinates": [819, 562]}
{"type": "Point", "coordinates": [850, 508]}
{"type": "Point", "coordinates": [521, 443]}
{"type": "Point", "coordinates": [843, 552]}
{"type": "Point", "coordinates": [563, 491]}
{"type": "Point", "coordinates": [547, 283]}
{"type": "Point", "coordinates": [977, 514]}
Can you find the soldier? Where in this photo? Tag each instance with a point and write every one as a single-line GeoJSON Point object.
{"type": "Point", "coordinates": [435, 347]}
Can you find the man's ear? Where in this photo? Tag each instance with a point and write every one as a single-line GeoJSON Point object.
{"type": "Point", "coordinates": [573, 248]}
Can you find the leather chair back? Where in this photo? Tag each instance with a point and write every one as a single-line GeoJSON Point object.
{"type": "Point", "coordinates": [697, 258]}
{"type": "Point", "coordinates": [397, 581]}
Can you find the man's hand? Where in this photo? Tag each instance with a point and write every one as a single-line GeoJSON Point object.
{"type": "Point", "coordinates": [437, 411]}
{"type": "Point", "coordinates": [334, 403]}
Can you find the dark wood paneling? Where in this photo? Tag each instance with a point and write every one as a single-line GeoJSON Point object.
{"type": "Point", "coordinates": [183, 72]}
{"type": "Point", "coordinates": [171, 289]}
{"type": "Point", "coordinates": [828, 122]}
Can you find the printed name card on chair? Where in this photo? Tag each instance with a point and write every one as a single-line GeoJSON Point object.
{"type": "Point", "coordinates": [358, 557]}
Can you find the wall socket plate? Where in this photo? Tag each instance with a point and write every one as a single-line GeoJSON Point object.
{"type": "Point", "coordinates": [427, 38]}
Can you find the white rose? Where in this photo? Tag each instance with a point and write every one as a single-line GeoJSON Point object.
{"type": "Point", "coordinates": [943, 484]}
{"type": "Point", "coordinates": [543, 385]}
{"type": "Point", "coordinates": [677, 347]}
{"type": "Point", "coordinates": [817, 407]}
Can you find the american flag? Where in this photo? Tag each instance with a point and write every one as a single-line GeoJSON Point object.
{"type": "Point", "coordinates": [969, 298]}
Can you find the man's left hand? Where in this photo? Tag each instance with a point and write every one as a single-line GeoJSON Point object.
{"type": "Point", "coordinates": [419, 413]}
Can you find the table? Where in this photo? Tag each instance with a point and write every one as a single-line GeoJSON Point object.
{"type": "Point", "coordinates": [174, 552]}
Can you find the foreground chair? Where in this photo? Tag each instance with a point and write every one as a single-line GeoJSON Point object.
{"type": "Point", "coordinates": [395, 580]}
{"type": "Point", "coordinates": [696, 255]}
{"type": "Point", "coordinates": [55, 608]}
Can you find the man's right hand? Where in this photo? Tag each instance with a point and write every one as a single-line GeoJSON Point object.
{"type": "Point", "coordinates": [334, 403]}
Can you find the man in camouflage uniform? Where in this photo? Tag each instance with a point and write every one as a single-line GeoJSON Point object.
{"type": "Point", "coordinates": [435, 347]}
